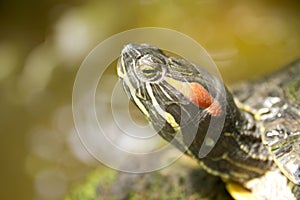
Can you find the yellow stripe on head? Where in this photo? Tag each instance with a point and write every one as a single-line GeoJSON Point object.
{"type": "Point", "coordinates": [167, 116]}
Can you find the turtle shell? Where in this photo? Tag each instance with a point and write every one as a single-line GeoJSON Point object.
{"type": "Point", "coordinates": [274, 100]}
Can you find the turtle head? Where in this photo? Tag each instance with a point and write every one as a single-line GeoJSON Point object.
{"type": "Point", "coordinates": [192, 109]}
{"type": "Point", "coordinates": [171, 92]}
{"type": "Point", "coordinates": [143, 72]}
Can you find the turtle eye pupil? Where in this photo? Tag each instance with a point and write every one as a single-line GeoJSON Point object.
{"type": "Point", "coordinates": [148, 71]}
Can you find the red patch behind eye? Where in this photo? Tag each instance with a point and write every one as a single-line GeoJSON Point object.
{"type": "Point", "coordinates": [202, 98]}
{"type": "Point", "coordinates": [197, 94]}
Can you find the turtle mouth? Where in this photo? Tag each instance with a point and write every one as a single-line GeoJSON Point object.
{"type": "Point", "coordinates": [129, 54]}
{"type": "Point", "coordinates": [121, 67]}
{"type": "Point", "coordinates": [120, 72]}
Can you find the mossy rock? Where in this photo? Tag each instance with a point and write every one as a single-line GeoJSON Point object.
{"type": "Point", "coordinates": [179, 181]}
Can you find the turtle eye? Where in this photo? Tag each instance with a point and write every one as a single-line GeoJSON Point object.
{"type": "Point", "coordinates": [148, 71]}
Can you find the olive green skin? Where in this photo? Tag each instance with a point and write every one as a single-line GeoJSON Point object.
{"type": "Point", "coordinates": [240, 153]}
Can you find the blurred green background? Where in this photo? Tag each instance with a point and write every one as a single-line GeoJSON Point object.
{"type": "Point", "coordinates": [42, 44]}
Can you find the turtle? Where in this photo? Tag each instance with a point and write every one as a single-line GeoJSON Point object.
{"type": "Point", "coordinates": [248, 134]}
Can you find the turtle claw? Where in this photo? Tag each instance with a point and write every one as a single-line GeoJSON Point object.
{"type": "Point", "coordinates": [238, 192]}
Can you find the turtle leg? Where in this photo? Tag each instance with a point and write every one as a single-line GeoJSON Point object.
{"type": "Point", "coordinates": [239, 192]}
